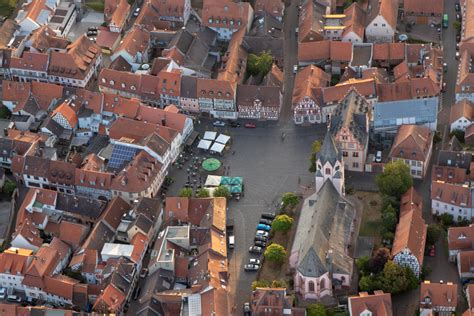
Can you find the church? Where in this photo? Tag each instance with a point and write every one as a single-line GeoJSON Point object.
{"type": "Point", "coordinates": [319, 258]}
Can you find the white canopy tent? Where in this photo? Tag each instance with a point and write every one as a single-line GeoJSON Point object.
{"type": "Point", "coordinates": [208, 135]}
{"type": "Point", "coordinates": [222, 139]}
{"type": "Point", "coordinates": [213, 181]}
{"type": "Point", "coordinates": [217, 148]}
{"type": "Point", "coordinates": [204, 144]}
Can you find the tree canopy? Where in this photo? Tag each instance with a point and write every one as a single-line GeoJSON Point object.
{"type": "Point", "coordinates": [316, 309]}
{"type": "Point", "coordinates": [259, 64]}
{"type": "Point", "coordinates": [290, 199]}
{"type": "Point", "coordinates": [186, 192]}
{"type": "Point", "coordinates": [275, 253]}
{"type": "Point", "coordinates": [9, 186]}
{"type": "Point", "coordinates": [395, 180]}
{"type": "Point", "coordinates": [282, 223]}
{"type": "Point", "coordinates": [203, 193]}
{"type": "Point", "coordinates": [393, 279]}
{"type": "Point", "coordinates": [222, 191]}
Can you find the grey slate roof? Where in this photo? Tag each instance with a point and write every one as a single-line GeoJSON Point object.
{"type": "Point", "coordinates": [458, 159]}
{"type": "Point", "coordinates": [324, 225]}
{"type": "Point", "coordinates": [351, 114]}
{"type": "Point", "coordinates": [189, 87]}
{"type": "Point", "coordinates": [53, 127]}
{"type": "Point", "coordinates": [329, 151]}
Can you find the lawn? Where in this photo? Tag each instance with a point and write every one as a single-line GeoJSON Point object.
{"type": "Point", "coordinates": [7, 7]}
{"type": "Point", "coordinates": [371, 216]}
{"type": "Point", "coordinates": [96, 5]}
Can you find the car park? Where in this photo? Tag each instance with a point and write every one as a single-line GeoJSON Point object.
{"type": "Point", "coordinates": [254, 261]}
{"type": "Point", "coordinates": [262, 233]}
{"type": "Point", "coordinates": [263, 227]}
{"type": "Point", "coordinates": [265, 221]}
{"type": "Point", "coordinates": [262, 244]}
{"type": "Point", "coordinates": [218, 123]}
{"type": "Point", "coordinates": [260, 238]}
{"type": "Point", "coordinates": [255, 249]}
{"type": "Point", "coordinates": [268, 215]}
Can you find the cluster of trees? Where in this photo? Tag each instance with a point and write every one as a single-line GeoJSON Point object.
{"type": "Point", "coordinates": [259, 64]}
{"type": "Point", "coordinates": [9, 186]}
{"type": "Point", "coordinates": [267, 283]}
{"type": "Point", "coordinates": [220, 191]}
{"type": "Point", "coordinates": [380, 273]}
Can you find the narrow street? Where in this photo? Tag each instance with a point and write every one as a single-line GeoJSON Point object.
{"type": "Point", "coordinates": [291, 58]}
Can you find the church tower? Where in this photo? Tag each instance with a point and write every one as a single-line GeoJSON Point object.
{"type": "Point", "coordinates": [329, 165]}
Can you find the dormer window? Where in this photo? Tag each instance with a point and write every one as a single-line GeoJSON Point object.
{"type": "Point", "coordinates": [112, 82]}
{"type": "Point", "coordinates": [123, 85]}
{"type": "Point", "coordinates": [103, 80]}
{"type": "Point", "coordinates": [133, 88]}
{"type": "Point", "coordinates": [231, 22]}
{"type": "Point", "coordinates": [217, 20]}
{"type": "Point", "coordinates": [210, 20]}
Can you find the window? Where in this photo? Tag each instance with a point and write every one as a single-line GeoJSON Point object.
{"type": "Point", "coordinates": [311, 286]}
{"type": "Point", "coordinates": [355, 154]}
{"type": "Point", "coordinates": [375, 24]}
{"type": "Point", "coordinates": [355, 165]}
{"type": "Point", "coordinates": [344, 153]}
{"type": "Point", "coordinates": [328, 171]}
{"type": "Point", "coordinates": [383, 25]}
{"type": "Point", "coordinates": [322, 284]}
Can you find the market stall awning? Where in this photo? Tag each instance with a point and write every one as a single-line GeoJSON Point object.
{"type": "Point", "coordinates": [223, 139]}
{"type": "Point", "coordinates": [217, 148]}
{"type": "Point", "coordinates": [208, 135]}
{"type": "Point", "coordinates": [213, 181]}
{"type": "Point", "coordinates": [204, 144]}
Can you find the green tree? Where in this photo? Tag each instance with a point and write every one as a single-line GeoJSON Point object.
{"type": "Point", "coordinates": [459, 135]}
{"type": "Point", "coordinates": [9, 186]}
{"type": "Point", "coordinates": [282, 223]}
{"type": "Point", "coordinates": [315, 148]}
{"type": "Point", "coordinates": [363, 265]}
{"type": "Point", "coordinates": [446, 219]}
{"type": "Point", "coordinates": [275, 253]}
{"type": "Point", "coordinates": [203, 193]}
{"type": "Point", "coordinates": [457, 26]}
{"type": "Point", "coordinates": [316, 309]}
{"type": "Point", "coordinates": [396, 279]}
{"type": "Point", "coordinates": [289, 199]}
{"type": "Point", "coordinates": [432, 234]}
{"type": "Point", "coordinates": [259, 65]}
{"type": "Point", "coordinates": [5, 112]}
{"type": "Point", "coordinates": [222, 191]}
{"type": "Point", "coordinates": [278, 284]}
{"type": "Point", "coordinates": [186, 192]}
{"type": "Point", "coordinates": [395, 180]}
{"type": "Point", "coordinates": [368, 283]}
{"type": "Point", "coordinates": [260, 283]}
{"type": "Point", "coordinates": [389, 219]}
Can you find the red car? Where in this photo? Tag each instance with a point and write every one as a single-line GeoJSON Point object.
{"type": "Point", "coordinates": [250, 125]}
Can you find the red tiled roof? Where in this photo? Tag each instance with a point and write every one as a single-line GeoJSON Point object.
{"type": "Point", "coordinates": [452, 194]}
{"type": "Point", "coordinates": [217, 13]}
{"type": "Point", "coordinates": [379, 303]}
{"type": "Point", "coordinates": [30, 61]}
{"type": "Point", "coordinates": [427, 7]}
{"type": "Point", "coordinates": [411, 234]}
{"type": "Point", "coordinates": [412, 142]}
{"type": "Point", "coordinates": [439, 294]}
{"type": "Point", "coordinates": [461, 238]}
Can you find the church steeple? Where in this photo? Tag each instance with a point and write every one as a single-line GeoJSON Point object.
{"type": "Point", "coordinates": [329, 165]}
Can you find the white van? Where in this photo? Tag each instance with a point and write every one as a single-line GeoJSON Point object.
{"type": "Point", "coordinates": [231, 241]}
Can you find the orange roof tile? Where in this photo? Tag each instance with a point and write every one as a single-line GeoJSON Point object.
{"type": "Point", "coordinates": [412, 142]}
{"type": "Point", "coordinates": [379, 303]}
{"type": "Point", "coordinates": [67, 113]}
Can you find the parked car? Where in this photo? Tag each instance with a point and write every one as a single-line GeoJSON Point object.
{"type": "Point", "coordinates": [457, 55]}
{"type": "Point", "coordinates": [268, 215]}
{"type": "Point", "coordinates": [260, 238]}
{"type": "Point", "coordinates": [263, 227]}
{"type": "Point", "coordinates": [458, 17]}
{"type": "Point", "coordinates": [3, 293]}
{"type": "Point", "coordinates": [247, 310]}
{"type": "Point", "coordinates": [251, 267]}
{"type": "Point", "coordinates": [457, 7]}
{"type": "Point", "coordinates": [250, 125]}
{"type": "Point", "coordinates": [378, 156]}
{"type": "Point", "coordinates": [266, 221]}
{"type": "Point", "coordinates": [262, 244]}
{"type": "Point", "coordinates": [144, 273]}
{"type": "Point", "coordinates": [255, 249]}
{"type": "Point", "coordinates": [218, 123]}
{"type": "Point", "coordinates": [234, 124]}
{"type": "Point", "coordinates": [254, 261]}
{"type": "Point", "coordinates": [14, 298]}
{"type": "Point", "coordinates": [92, 28]}
{"type": "Point", "coordinates": [136, 12]}
{"type": "Point", "coordinates": [261, 233]}
{"type": "Point", "coordinates": [295, 69]}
